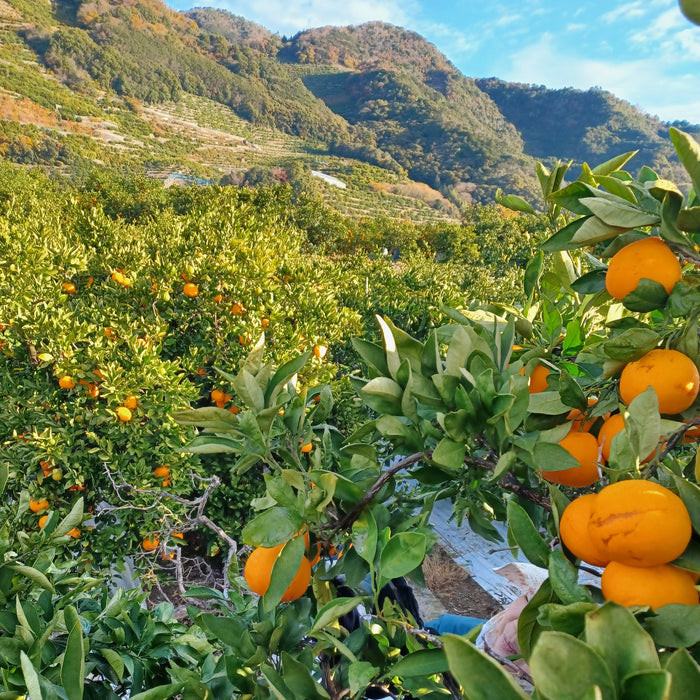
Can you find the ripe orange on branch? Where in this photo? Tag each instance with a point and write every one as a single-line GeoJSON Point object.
{"type": "Point", "coordinates": [655, 586]}
{"type": "Point", "coordinates": [649, 258]}
{"type": "Point", "coordinates": [258, 573]}
{"type": "Point", "coordinates": [36, 505]}
{"type": "Point", "coordinates": [639, 523]}
{"type": "Point", "coordinates": [573, 529]}
{"type": "Point", "coordinates": [66, 382]}
{"type": "Point", "coordinates": [673, 376]}
{"type": "Point", "coordinates": [190, 290]}
{"type": "Point", "coordinates": [583, 447]}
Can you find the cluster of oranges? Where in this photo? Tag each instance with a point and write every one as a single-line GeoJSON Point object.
{"type": "Point", "coordinates": [221, 398]}
{"type": "Point", "coordinates": [124, 412]}
{"type": "Point", "coordinates": [164, 474]}
{"type": "Point", "coordinates": [634, 529]}
{"type": "Point", "coordinates": [673, 376]}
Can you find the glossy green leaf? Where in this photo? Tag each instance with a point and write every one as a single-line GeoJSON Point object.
{"type": "Point", "coordinates": [403, 553]}
{"type": "Point", "coordinates": [594, 230]}
{"type": "Point", "coordinates": [212, 444]}
{"type": "Point", "coordinates": [548, 403]}
{"type": "Point", "coordinates": [272, 527]}
{"type": "Point", "coordinates": [688, 150]}
{"type": "Point", "coordinates": [631, 344]}
{"type": "Point", "coordinates": [650, 684]}
{"type": "Point", "coordinates": [685, 673]}
{"type": "Point", "coordinates": [373, 355]}
{"type": "Point", "coordinates": [73, 664]}
{"type": "Point", "coordinates": [643, 424]}
{"type": "Point", "coordinates": [564, 579]}
{"type": "Point", "coordinates": [161, 692]}
{"type": "Point", "coordinates": [578, 668]}
{"type": "Point", "coordinates": [619, 214]}
{"type": "Point", "coordinates": [562, 239]}
{"type": "Point", "coordinates": [365, 536]}
{"type": "Point", "coordinates": [449, 454]}
{"type": "Point", "coordinates": [526, 536]}
{"type": "Point", "coordinates": [590, 283]}
{"type": "Point", "coordinates": [73, 519]}
{"type": "Point", "coordinates": [569, 197]}
{"type": "Point", "coordinates": [615, 634]}
{"type": "Point", "coordinates": [383, 395]}
{"type": "Point", "coordinates": [33, 575]}
{"type": "Point", "coordinates": [480, 676]}
{"type": "Point", "coordinates": [513, 202]}
{"type": "Point", "coordinates": [614, 164]}
{"type": "Point", "coordinates": [689, 220]}
{"type": "Point", "coordinates": [424, 662]}
{"type": "Point", "coordinates": [648, 296]}
{"type": "Point", "coordinates": [283, 572]}
{"type": "Point", "coordinates": [551, 457]}
{"type": "Point", "coordinates": [330, 612]}
{"type": "Point", "coordinates": [283, 375]}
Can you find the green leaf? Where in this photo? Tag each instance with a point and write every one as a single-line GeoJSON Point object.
{"type": "Point", "coordinates": [562, 239]}
{"type": "Point", "coordinates": [648, 296]}
{"type": "Point", "coordinates": [513, 202]}
{"type": "Point", "coordinates": [615, 634]}
{"type": "Point", "coordinates": [73, 665]}
{"type": "Point", "coordinates": [449, 454]}
{"type": "Point", "coordinates": [207, 418]}
{"type": "Point", "coordinates": [594, 230]}
{"type": "Point", "coordinates": [73, 519]}
{"type": "Point", "coordinates": [614, 164]}
{"type": "Point", "coordinates": [33, 575]}
{"type": "Point", "coordinates": [533, 273]}
{"type": "Point", "coordinates": [364, 536]}
{"type": "Point", "coordinates": [578, 668]}
{"type": "Point", "coordinates": [631, 344]}
{"type": "Point", "coordinates": [272, 527]}
{"type": "Point", "coordinates": [643, 424]}
{"type": "Point", "coordinates": [247, 387]}
{"type": "Point", "coordinates": [529, 628]}
{"type": "Point", "coordinates": [526, 536]}
{"type": "Point", "coordinates": [161, 692]}
{"type": "Point", "coordinates": [569, 197]}
{"type": "Point", "coordinates": [675, 625]}
{"type": "Point", "coordinates": [297, 677]}
{"type": "Point", "coordinates": [689, 220]}
{"type": "Point", "coordinates": [505, 463]}
{"type": "Point", "coordinates": [647, 685]}
{"type": "Point", "coordinates": [373, 355]}
{"type": "Point", "coordinates": [480, 676]}
{"type": "Point", "coordinates": [564, 579]}
{"type": "Point", "coordinates": [424, 662]}
{"type": "Point", "coordinates": [393, 360]}
{"type": "Point", "coordinates": [283, 375]}
{"type": "Point", "coordinates": [330, 612]}
{"type": "Point", "coordinates": [403, 553]}
{"type": "Point", "coordinates": [670, 208]}
{"type": "Point", "coordinates": [685, 673]}
{"type": "Point", "coordinates": [283, 572]}
{"type": "Point", "coordinates": [360, 675]}
{"type": "Point", "coordinates": [688, 150]}
{"type": "Point", "coordinates": [548, 403]}
{"type": "Point", "coordinates": [383, 395]}
{"type": "Point", "coordinates": [31, 677]}
{"type": "Point", "coordinates": [211, 444]}
{"type": "Point", "coordinates": [616, 187]}
{"type": "Point", "coordinates": [570, 392]}
{"type": "Point", "coordinates": [551, 457]}
{"type": "Point", "coordinates": [590, 283]}
{"type": "Point", "coordinates": [114, 659]}
{"type": "Point", "coordinates": [619, 215]}
{"type": "Point", "coordinates": [4, 475]}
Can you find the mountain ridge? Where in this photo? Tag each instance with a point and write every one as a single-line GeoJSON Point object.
{"type": "Point", "coordinates": [374, 93]}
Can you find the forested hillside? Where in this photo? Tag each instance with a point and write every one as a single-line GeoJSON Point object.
{"type": "Point", "coordinates": [117, 81]}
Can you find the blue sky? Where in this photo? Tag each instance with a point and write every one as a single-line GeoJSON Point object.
{"type": "Point", "coordinates": [644, 51]}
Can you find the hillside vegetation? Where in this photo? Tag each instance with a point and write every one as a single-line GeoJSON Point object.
{"type": "Point", "coordinates": [92, 80]}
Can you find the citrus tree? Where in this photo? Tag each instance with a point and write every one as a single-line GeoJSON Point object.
{"type": "Point", "coordinates": [571, 415]}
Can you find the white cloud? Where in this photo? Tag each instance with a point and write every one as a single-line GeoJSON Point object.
{"type": "Point", "coordinates": [626, 11]}
{"type": "Point", "coordinates": [646, 81]}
